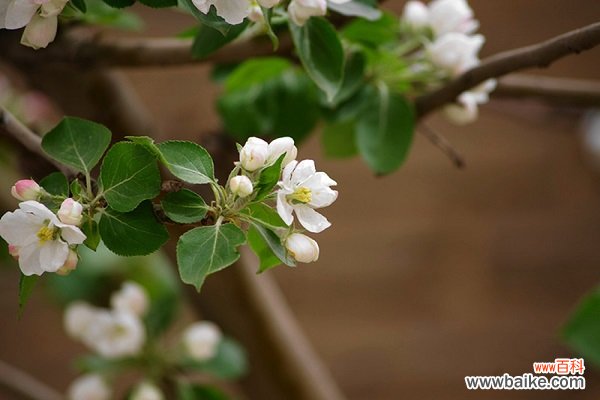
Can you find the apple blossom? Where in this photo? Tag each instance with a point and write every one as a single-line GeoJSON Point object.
{"type": "Point", "coordinates": [201, 340]}
{"type": "Point", "coordinates": [232, 11]}
{"type": "Point", "coordinates": [241, 185]}
{"type": "Point", "coordinates": [301, 10]}
{"type": "Point", "coordinates": [26, 189]}
{"type": "Point", "coordinates": [70, 212]}
{"type": "Point", "coordinates": [455, 52]}
{"type": "Point", "coordinates": [42, 239]}
{"type": "Point", "coordinates": [89, 387]}
{"type": "Point", "coordinates": [302, 190]}
{"type": "Point", "coordinates": [78, 318]}
{"type": "Point", "coordinates": [447, 16]}
{"type": "Point", "coordinates": [131, 298]}
{"type": "Point", "coordinates": [115, 334]}
{"type": "Point", "coordinates": [465, 110]}
{"type": "Point", "coordinates": [147, 391]}
{"type": "Point", "coordinates": [415, 14]}
{"type": "Point", "coordinates": [302, 248]}
{"type": "Point", "coordinates": [39, 32]}
{"type": "Point", "coordinates": [280, 146]}
{"type": "Point", "coordinates": [254, 154]}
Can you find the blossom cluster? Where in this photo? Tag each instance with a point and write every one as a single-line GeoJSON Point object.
{"type": "Point", "coordinates": [119, 332]}
{"type": "Point", "coordinates": [452, 46]}
{"type": "Point", "coordinates": [39, 239]}
{"type": "Point", "coordinates": [300, 191]}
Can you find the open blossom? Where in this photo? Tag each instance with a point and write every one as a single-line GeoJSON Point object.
{"type": "Point", "coordinates": [301, 190]}
{"type": "Point", "coordinates": [455, 52]}
{"type": "Point", "coordinates": [78, 317]}
{"type": "Point", "coordinates": [70, 212]}
{"type": "Point", "coordinates": [201, 340]}
{"type": "Point", "coordinates": [241, 185]}
{"type": "Point", "coordinates": [465, 110]}
{"type": "Point", "coordinates": [114, 334]}
{"type": "Point", "coordinates": [302, 248]}
{"type": "Point", "coordinates": [131, 298]}
{"type": "Point", "coordinates": [232, 11]}
{"type": "Point", "coordinates": [42, 239]}
{"type": "Point", "coordinates": [89, 387]}
{"type": "Point", "coordinates": [146, 391]}
{"type": "Point", "coordinates": [26, 189]}
{"type": "Point", "coordinates": [447, 16]}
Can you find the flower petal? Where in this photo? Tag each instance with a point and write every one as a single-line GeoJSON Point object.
{"type": "Point", "coordinates": [71, 234]}
{"type": "Point", "coordinates": [310, 219]}
{"type": "Point", "coordinates": [284, 209]}
{"type": "Point", "coordinates": [19, 13]}
{"type": "Point", "coordinates": [29, 260]}
{"type": "Point", "coordinates": [303, 171]}
{"type": "Point", "coordinates": [18, 229]}
{"type": "Point", "coordinates": [286, 175]}
{"type": "Point", "coordinates": [38, 209]}
{"type": "Point", "coordinates": [233, 11]}
{"type": "Point", "coordinates": [53, 255]}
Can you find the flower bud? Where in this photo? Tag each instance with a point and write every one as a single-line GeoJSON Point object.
{"type": "Point", "coordinates": [415, 14]}
{"type": "Point", "coordinates": [256, 14]}
{"type": "Point", "coordinates": [279, 146]}
{"type": "Point", "coordinates": [455, 52]}
{"type": "Point", "coordinates": [147, 391]}
{"type": "Point", "coordinates": [254, 154]}
{"type": "Point", "coordinates": [13, 251]}
{"type": "Point", "coordinates": [201, 340]}
{"type": "Point", "coordinates": [447, 16]}
{"type": "Point", "coordinates": [40, 31]}
{"type": "Point", "coordinates": [26, 189]}
{"type": "Point", "coordinates": [89, 387]}
{"type": "Point", "coordinates": [70, 212]}
{"type": "Point", "coordinates": [301, 10]}
{"type": "Point", "coordinates": [70, 264]}
{"type": "Point", "coordinates": [78, 318]}
{"type": "Point", "coordinates": [302, 248]}
{"type": "Point", "coordinates": [241, 186]}
{"type": "Point", "coordinates": [131, 298]}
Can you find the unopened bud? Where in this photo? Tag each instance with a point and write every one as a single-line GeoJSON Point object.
{"type": "Point", "coordinates": [26, 189]}
{"type": "Point", "coordinates": [302, 248]}
{"type": "Point", "coordinates": [70, 264]}
{"type": "Point", "coordinates": [280, 146]}
{"type": "Point", "coordinates": [147, 391]}
{"type": "Point", "coordinates": [241, 186]}
{"type": "Point", "coordinates": [70, 212]}
{"type": "Point", "coordinates": [201, 340]}
{"type": "Point", "coordinates": [254, 154]}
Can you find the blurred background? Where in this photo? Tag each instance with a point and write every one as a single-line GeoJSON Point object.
{"type": "Point", "coordinates": [431, 273]}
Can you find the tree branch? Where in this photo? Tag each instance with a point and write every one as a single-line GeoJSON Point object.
{"type": "Point", "coordinates": [25, 386]}
{"type": "Point", "coordinates": [537, 55]}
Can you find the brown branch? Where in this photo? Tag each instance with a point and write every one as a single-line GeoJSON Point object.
{"type": "Point", "coordinates": [443, 144]}
{"type": "Point", "coordinates": [21, 384]}
{"type": "Point", "coordinates": [563, 91]}
{"type": "Point", "coordinates": [537, 55]}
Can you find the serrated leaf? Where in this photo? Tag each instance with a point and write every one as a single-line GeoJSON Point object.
{"type": "Point", "coordinates": [129, 175]}
{"type": "Point", "coordinates": [207, 249]}
{"type": "Point", "coordinates": [56, 184]}
{"type": "Point", "coordinates": [384, 132]}
{"type": "Point", "coordinates": [208, 39]}
{"type": "Point", "coordinates": [188, 161]}
{"type": "Point", "coordinates": [136, 233]}
{"type": "Point", "coordinates": [148, 143]}
{"type": "Point", "coordinates": [268, 179]}
{"type": "Point", "coordinates": [77, 143]}
{"type": "Point", "coordinates": [26, 285]}
{"type": "Point", "coordinates": [321, 53]}
{"type": "Point", "coordinates": [184, 206]}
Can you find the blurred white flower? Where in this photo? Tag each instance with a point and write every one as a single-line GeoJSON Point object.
{"type": "Point", "coordinates": [465, 110]}
{"type": "Point", "coordinates": [279, 146]}
{"type": "Point", "coordinates": [254, 154]}
{"type": "Point", "coordinates": [302, 248]}
{"type": "Point", "coordinates": [232, 11]}
{"type": "Point", "coordinates": [301, 190]}
{"type": "Point", "coordinates": [447, 16]}
{"type": "Point", "coordinates": [301, 10]}
{"type": "Point", "coordinates": [241, 185]}
{"type": "Point", "coordinates": [416, 14]}
{"type": "Point", "coordinates": [70, 212]}
{"type": "Point", "coordinates": [42, 239]}
{"type": "Point", "coordinates": [201, 340]}
{"type": "Point", "coordinates": [455, 52]}
{"type": "Point", "coordinates": [78, 318]}
{"type": "Point", "coordinates": [115, 334]}
{"type": "Point", "coordinates": [132, 298]}
{"type": "Point", "coordinates": [147, 391]}
{"type": "Point", "coordinates": [89, 387]}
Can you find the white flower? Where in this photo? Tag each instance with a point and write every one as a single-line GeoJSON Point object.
{"type": "Point", "coordinates": [43, 240]}
{"type": "Point", "coordinates": [241, 185]}
{"type": "Point", "coordinates": [78, 318]}
{"type": "Point", "coordinates": [131, 298]}
{"type": "Point", "coordinates": [254, 154]}
{"type": "Point", "coordinates": [26, 189]}
{"type": "Point", "coordinates": [465, 110]}
{"type": "Point", "coordinates": [89, 387]}
{"type": "Point", "coordinates": [40, 16]}
{"type": "Point", "coordinates": [115, 334]}
{"type": "Point", "coordinates": [302, 248]}
{"type": "Point", "coordinates": [40, 32]}
{"type": "Point", "coordinates": [232, 11]}
{"type": "Point", "coordinates": [279, 146]}
{"type": "Point", "coordinates": [70, 212]}
{"type": "Point", "coordinates": [447, 16]}
{"type": "Point", "coordinates": [301, 10]}
{"type": "Point", "coordinates": [415, 14]}
{"type": "Point", "coordinates": [302, 189]}
{"type": "Point", "coordinates": [147, 391]}
{"type": "Point", "coordinates": [455, 52]}
{"type": "Point", "coordinates": [201, 340]}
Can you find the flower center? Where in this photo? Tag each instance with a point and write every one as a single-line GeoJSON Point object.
{"type": "Point", "coordinates": [301, 195]}
{"type": "Point", "coordinates": [45, 234]}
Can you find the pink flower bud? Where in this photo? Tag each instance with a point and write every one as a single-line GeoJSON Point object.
{"type": "Point", "coordinates": [70, 263]}
{"type": "Point", "coordinates": [70, 212]}
{"type": "Point", "coordinates": [26, 189]}
{"type": "Point", "coordinates": [13, 251]}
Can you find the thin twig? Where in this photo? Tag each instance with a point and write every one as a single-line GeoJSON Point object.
{"type": "Point", "coordinates": [537, 55]}
{"type": "Point", "coordinates": [24, 385]}
{"type": "Point", "coordinates": [443, 144]}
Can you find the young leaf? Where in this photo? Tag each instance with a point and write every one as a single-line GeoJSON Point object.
{"type": "Point", "coordinates": [26, 285]}
{"type": "Point", "coordinates": [136, 233]}
{"type": "Point", "coordinates": [582, 332]}
{"type": "Point", "coordinates": [385, 130]}
{"type": "Point", "coordinates": [321, 53]}
{"type": "Point", "coordinates": [273, 241]}
{"type": "Point", "coordinates": [188, 161]}
{"type": "Point", "coordinates": [266, 258]}
{"type": "Point", "coordinates": [129, 175]}
{"type": "Point", "coordinates": [56, 184]}
{"type": "Point", "coordinates": [76, 189]}
{"type": "Point", "coordinates": [207, 249]}
{"type": "Point", "coordinates": [265, 215]}
{"type": "Point", "coordinates": [90, 228]}
{"type": "Point", "coordinates": [208, 39]}
{"type": "Point", "coordinates": [268, 179]}
{"type": "Point", "coordinates": [184, 206]}
{"type": "Point", "coordinates": [77, 143]}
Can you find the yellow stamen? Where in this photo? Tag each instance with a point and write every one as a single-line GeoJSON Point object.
{"type": "Point", "coordinates": [301, 195]}
{"type": "Point", "coordinates": [45, 234]}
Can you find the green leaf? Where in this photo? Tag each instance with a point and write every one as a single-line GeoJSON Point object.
{"type": "Point", "coordinates": [77, 143]}
{"type": "Point", "coordinates": [90, 228]}
{"type": "Point", "coordinates": [208, 39]}
{"type": "Point", "coordinates": [373, 33]}
{"type": "Point", "coordinates": [76, 189]}
{"type": "Point", "coordinates": [99, 13]}
{"type": "Point", "coordinates": [211, 19]}
{"type": "Point", "coordinates": [56, 184]}
{"type": "Point", "coordinates": [129, 175]}
{"type": "Point", "coordinates": [268, 179]}
{"type": "Point", "coordinates": [80, 5]}
{"type": "Point", "coordinates": [119, 3]}
{"type": "Point", "coordinates": [355, 8]}
{"type": "Point", "coordinates": [148, 143]}
{"type": "Point", "coordinates": [188, 161]}
{"type": "Point", "coordinates": [354, 78]}
{"type": "Point", "coordinates": [338, 139]}
{"type": "Point", "coordinates": [228, 363]}
{"type": "Point", "coordinates": [136, 233]}
{"type": "Point", "coordinates": [184, 206]}
{"type": "Point", "coordinates": [192, 391]}
{"type": "Point", "coordinates": [273, 241]}
{"type": "Point", "coordinates": [265, 215]}
{"type": "Point", "coordinates": [207, 249]}
{"type": "Point", "coordinates": [256, 72]}
{"type": "Point", "coordinates": [26, 285]}
{"type": "Point", "coordinates": [582, 331]}
{"type": "Point", "coordinates": [266, 257]}
{"type": "Point", "coordinates": [159, 3]}
{"type": "Point", "coordinates": [321, 53]}
{"type": "Point", "coordinates": [384, 132]}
